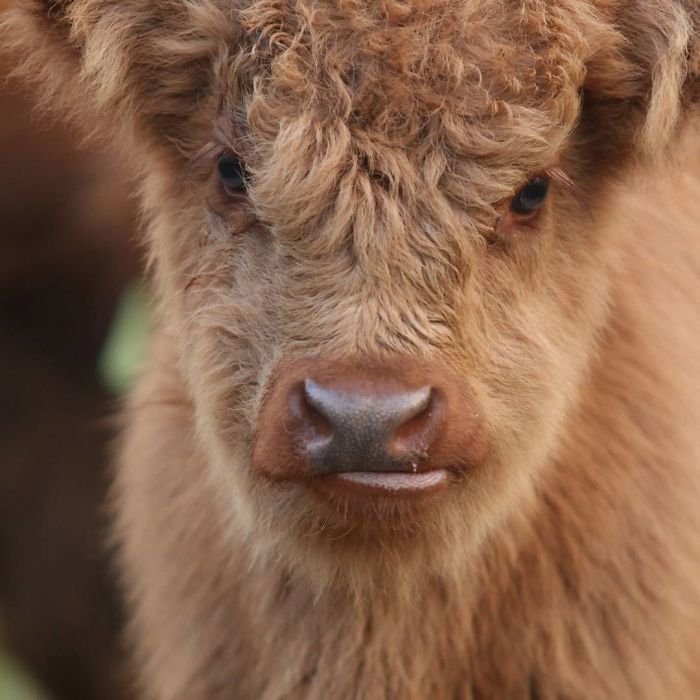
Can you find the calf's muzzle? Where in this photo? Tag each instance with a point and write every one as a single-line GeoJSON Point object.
{"type": "Point", "coordinates": [324, 418]}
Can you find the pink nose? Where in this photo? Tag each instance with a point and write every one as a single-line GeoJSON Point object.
{"type": "Point", "coordinates": [319, 418]}
{"type": "Point", "coordinates": [350, 426]}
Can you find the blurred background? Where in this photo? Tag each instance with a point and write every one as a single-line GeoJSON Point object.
{"type": "Point", "coordinates": [71, 328]}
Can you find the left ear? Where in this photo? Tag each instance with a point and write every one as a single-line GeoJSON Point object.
{"type": "Point", "coordinates": [652, 77]}
{"type": "Point", "coordinates": [145, 69]}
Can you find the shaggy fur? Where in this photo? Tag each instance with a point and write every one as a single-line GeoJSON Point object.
{"type": "Point", "coordinates": [383, 142]}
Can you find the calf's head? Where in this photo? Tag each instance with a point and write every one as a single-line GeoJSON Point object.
{"type": "Point", "coordinates": [381, 237]}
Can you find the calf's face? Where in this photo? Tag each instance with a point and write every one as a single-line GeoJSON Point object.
{"type": "Point", "coordinates": [382, 241]}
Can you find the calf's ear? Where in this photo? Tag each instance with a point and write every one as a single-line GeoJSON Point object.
{"type": "Point", "coordinates": [148, 68]}
{"type": "Point", "coordinates": [38, 35]}
{"type": "Point", "coordinates": [646, 84]}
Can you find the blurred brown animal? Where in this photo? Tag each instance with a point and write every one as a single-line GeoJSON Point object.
{"type": "Point", "coordinates": [420, 419]}
{"type": "Point", "coordinates": [66, 254]}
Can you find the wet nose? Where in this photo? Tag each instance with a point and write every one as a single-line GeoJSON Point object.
{"type": "Point", "coordinates": [364, 414]}
{"type": "Point", "coordinates": [365, 426]}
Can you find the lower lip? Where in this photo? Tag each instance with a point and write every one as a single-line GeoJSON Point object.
{"type": "Point", "coordinates": [391, 483]}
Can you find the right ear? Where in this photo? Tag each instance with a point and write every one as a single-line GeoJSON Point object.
{"type": "Point", "coordinates": [38, 34]}
{"type": "Point", "coordinates": [148, 69]}
{"type": "Point", "coordinates": [646, 84]}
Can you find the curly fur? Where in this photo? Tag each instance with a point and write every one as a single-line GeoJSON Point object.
{"type": "Point", "coordinates": [383, 142]}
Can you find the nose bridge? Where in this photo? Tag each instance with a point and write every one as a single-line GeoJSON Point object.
{"type": "Point", "coordinates": [392, 285]}
{"type": "Point", "coordinates": [352, 314]}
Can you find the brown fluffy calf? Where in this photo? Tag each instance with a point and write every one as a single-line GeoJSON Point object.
{"type": "Point", "coordinates": [388, 230]}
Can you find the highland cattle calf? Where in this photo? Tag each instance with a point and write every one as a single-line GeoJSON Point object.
{"type": "Point", "coordinates": [421, 413]}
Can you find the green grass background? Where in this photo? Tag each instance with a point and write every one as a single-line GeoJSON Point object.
{"type": "Point", "coordinates": [15, 684]}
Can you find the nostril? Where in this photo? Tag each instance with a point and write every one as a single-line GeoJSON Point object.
{"type": "Point", "coordinates": [413, 407]}
{"type": "Point", "coordinates": [410, 406]}
{"type": "Point", "coordinates": [313, 423]}
{"type": "Point", "coordinates": [323, 402]}
{"type": "Point", "coordinates": [417, 429]}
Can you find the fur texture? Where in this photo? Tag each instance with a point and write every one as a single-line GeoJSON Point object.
{"type": "Point", "coordinates": [384, 141]}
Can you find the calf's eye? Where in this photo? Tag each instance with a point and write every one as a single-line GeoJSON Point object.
{"type": "Point", "coordinates": [531, 197]}
{"type": "Point", "coordinates": [232, 174]}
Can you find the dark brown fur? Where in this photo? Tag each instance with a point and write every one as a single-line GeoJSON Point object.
{"type": "Point", "coordinates": [384, 141]}
{"type": "Point", "coordinates": [65, 255]}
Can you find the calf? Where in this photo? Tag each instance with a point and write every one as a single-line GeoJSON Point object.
{"type": "Point", "coordinates": [421, 413]}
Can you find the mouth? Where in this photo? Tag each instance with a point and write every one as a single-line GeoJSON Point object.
{"type": "Point", "coordinates": [383, 484]}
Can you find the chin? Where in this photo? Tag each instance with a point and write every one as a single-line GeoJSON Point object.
{"type": "Point", "coordinates": [364, 537]}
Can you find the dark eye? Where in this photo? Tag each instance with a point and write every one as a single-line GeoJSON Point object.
{"type": "Point", "coordinates": [531, 197]}
{"type": "Point", "coordinates": [232, 174]}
